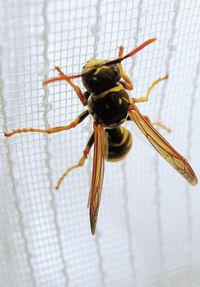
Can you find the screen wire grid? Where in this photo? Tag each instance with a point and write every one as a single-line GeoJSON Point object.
{"type": "Point", "coordinates": [148, 231]}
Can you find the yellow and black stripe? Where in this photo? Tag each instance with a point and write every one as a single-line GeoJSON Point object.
{"type": "Point", "coordinates": [110, 107]}
{"type": "Point", "coordinates": [119, 143]}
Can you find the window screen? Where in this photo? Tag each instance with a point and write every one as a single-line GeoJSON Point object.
{"type": "Point", "coordinates": [148, 231]}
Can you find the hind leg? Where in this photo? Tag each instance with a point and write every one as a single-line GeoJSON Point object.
{"type": "Point", "coordinates": [80, 163]}
{"type": "Point", "coordinates": [157, 123]}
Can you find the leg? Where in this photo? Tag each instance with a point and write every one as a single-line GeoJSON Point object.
{"type": "Point", "coordinates": [146, 98]}
{"type": "Point", "coordinates": [156, 123]}
{"type": "Point", "coordinates": [159, 124]}
{"type": "Point", "coordinates": [76, 88]}
{"type": "Point", "coordinates": [127, 83]}
{"type": "Point", "coordinates": [73, 124]}
{"type": "Point", "coordinates": [80, 163]}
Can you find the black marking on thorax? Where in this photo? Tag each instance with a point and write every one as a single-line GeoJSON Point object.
{"type": "Point", "coordinates": [110, 107]}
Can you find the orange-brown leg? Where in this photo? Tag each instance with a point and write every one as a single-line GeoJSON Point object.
{"type": "Point", "coordinates": [80, 163]}
{"type": "Point", "coordinates": [146, 97]}
{"type": "Point", "coordinates": [127, 83]}
{"type": "Point", "coordinates": [76, 88]}
{"type": "Point", "coordinates": [157, 123]}
{"type": "Point", "coordinates": [73, 124]}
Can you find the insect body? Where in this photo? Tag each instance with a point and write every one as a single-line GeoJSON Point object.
{"type": "Point", "coordinates": [119, 143]}
{"type": "Point", "coordinates": [109, 106]}
{"type": "Point", "coordinates": [108, 102]}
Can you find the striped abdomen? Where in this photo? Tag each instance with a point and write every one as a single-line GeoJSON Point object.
{"type": "Point", "coordinates": [119, 143]}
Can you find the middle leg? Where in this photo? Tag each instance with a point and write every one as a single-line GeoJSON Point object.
{"type": "Point", "coordinates": [73, 124]}
{"type": "Point", "coordinates": [146, 97]}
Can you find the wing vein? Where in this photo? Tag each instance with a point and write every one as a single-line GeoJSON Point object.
{"type": "Point", "coordinates": [174, 158]}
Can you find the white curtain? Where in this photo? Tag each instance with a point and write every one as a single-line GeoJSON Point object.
{"type": "Point", "coordinates": [148, 231]}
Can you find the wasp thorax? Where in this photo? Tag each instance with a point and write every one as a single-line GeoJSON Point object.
{"type": "Point", "coordinates": [99, 78]}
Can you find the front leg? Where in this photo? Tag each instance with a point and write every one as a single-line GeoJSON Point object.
{"type": "Point", "coordinates": [76, 88]}
{"type": "Point", "coordinates": [127, 83]}
{"type": "Point", "coordinates": [73, 124]}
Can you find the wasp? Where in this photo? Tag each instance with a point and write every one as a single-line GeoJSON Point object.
{"type": "Point", "coordinates": [110, 105]}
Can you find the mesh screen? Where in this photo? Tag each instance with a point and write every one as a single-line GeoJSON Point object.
{"type": "Point", "coordinates": [148, 230]}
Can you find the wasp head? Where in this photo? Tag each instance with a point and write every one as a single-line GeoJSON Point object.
{"type": "Point", "coordinates": [98, 77]}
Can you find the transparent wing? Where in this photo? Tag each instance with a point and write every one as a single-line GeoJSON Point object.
{"type": "Point", "coordinates": [162, 146]}
{"type": "Point", "coordinates": [100, 153]}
